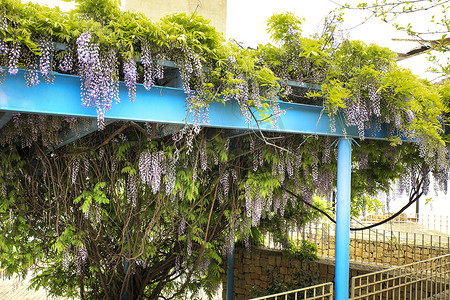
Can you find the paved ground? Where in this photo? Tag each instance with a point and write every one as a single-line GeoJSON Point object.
{"type": "Point", "coordinates": [13, 289]}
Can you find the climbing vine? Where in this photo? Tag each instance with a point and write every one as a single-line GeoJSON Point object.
{"type": "Point", "coordinates": [103, 45]}
{"type": "Point", "coordinates": [171, 211]}
{"type": "Point", "coordinates": [131, 208]}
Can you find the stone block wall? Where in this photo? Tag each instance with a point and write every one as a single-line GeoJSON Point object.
{"type": "Point", "coordinates": [254, 270]}
{"type": "Point", "coordinates": [386, 253]}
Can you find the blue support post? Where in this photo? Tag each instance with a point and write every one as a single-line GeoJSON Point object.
{"type": "Point", "coordinates": [230, 275]}
{"type": "Point", "coordinates": [344, 169]}
{"type": "Point", "coordinates": [126, 265]}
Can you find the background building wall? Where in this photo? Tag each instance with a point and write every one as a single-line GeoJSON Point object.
{"type": "Point", "coordinates": [214, 10]}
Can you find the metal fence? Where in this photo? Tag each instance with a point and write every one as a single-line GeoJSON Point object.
{"type": "Point", "coordinates": [428, 279]}
{"type": "Point", "coordinates": [322, 291]}
{"type": "Point", "coordinates": [423, 223]}
{"type": "Point", "coordinates": [374, 246]}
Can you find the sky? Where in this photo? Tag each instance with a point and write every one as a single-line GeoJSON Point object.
{"type": "Point", "coordinates": [246, 22]}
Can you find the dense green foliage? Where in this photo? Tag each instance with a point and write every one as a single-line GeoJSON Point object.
{"type": "Point", "coordinates": [132, 209]}
{"type": "Point", "coordinates": [301, 278]}
{"type": "Point", "coordinates": [80, 210]}
{"type": "Point", "coordinates": [172, 212]}
{"type": "Point", "coordinates": [361, 81]}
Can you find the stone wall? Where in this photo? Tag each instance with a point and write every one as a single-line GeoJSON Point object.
{"type": "Point", "coordinates": [389, 253]}
{"type": "Point", "coordinates": [255, 269]}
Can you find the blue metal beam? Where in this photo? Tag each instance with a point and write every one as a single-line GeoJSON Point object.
{"type": "Point", "coordinates": [304, 85]}
{"type": "Point", "coordinates": [160, 105]}
{"type": "Point", "coordinates": [77, 133]}
{"type": "Point", "coordinates": [4, 118]}
{"type": "Point", "coordinates": [344, 172]}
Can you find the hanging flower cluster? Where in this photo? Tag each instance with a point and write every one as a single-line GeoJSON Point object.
{"type": "Point", "coordinates": [98, 72]}
{"type": "Point", "coordinates": [200, 189]}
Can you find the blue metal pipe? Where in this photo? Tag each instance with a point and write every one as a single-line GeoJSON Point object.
{"type": "Point", "coordinates": [230, 275]}
{"type": "Point", "coordinates": [344, 172]}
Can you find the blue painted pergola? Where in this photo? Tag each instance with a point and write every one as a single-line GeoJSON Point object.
{"type": "Point", "coordinates": [167, 105]}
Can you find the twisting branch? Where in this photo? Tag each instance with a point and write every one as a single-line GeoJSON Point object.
{"type": "Point", "coordinates": [147, 135]}
{"type": "Point", "coordinates": [415, 195]}
{"type": "Point", "coordinates": [309, 204]}
{"type": "Point", "coordinates": [115, 133]}
{"type": "Point", "coordinates": [105, 142]}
